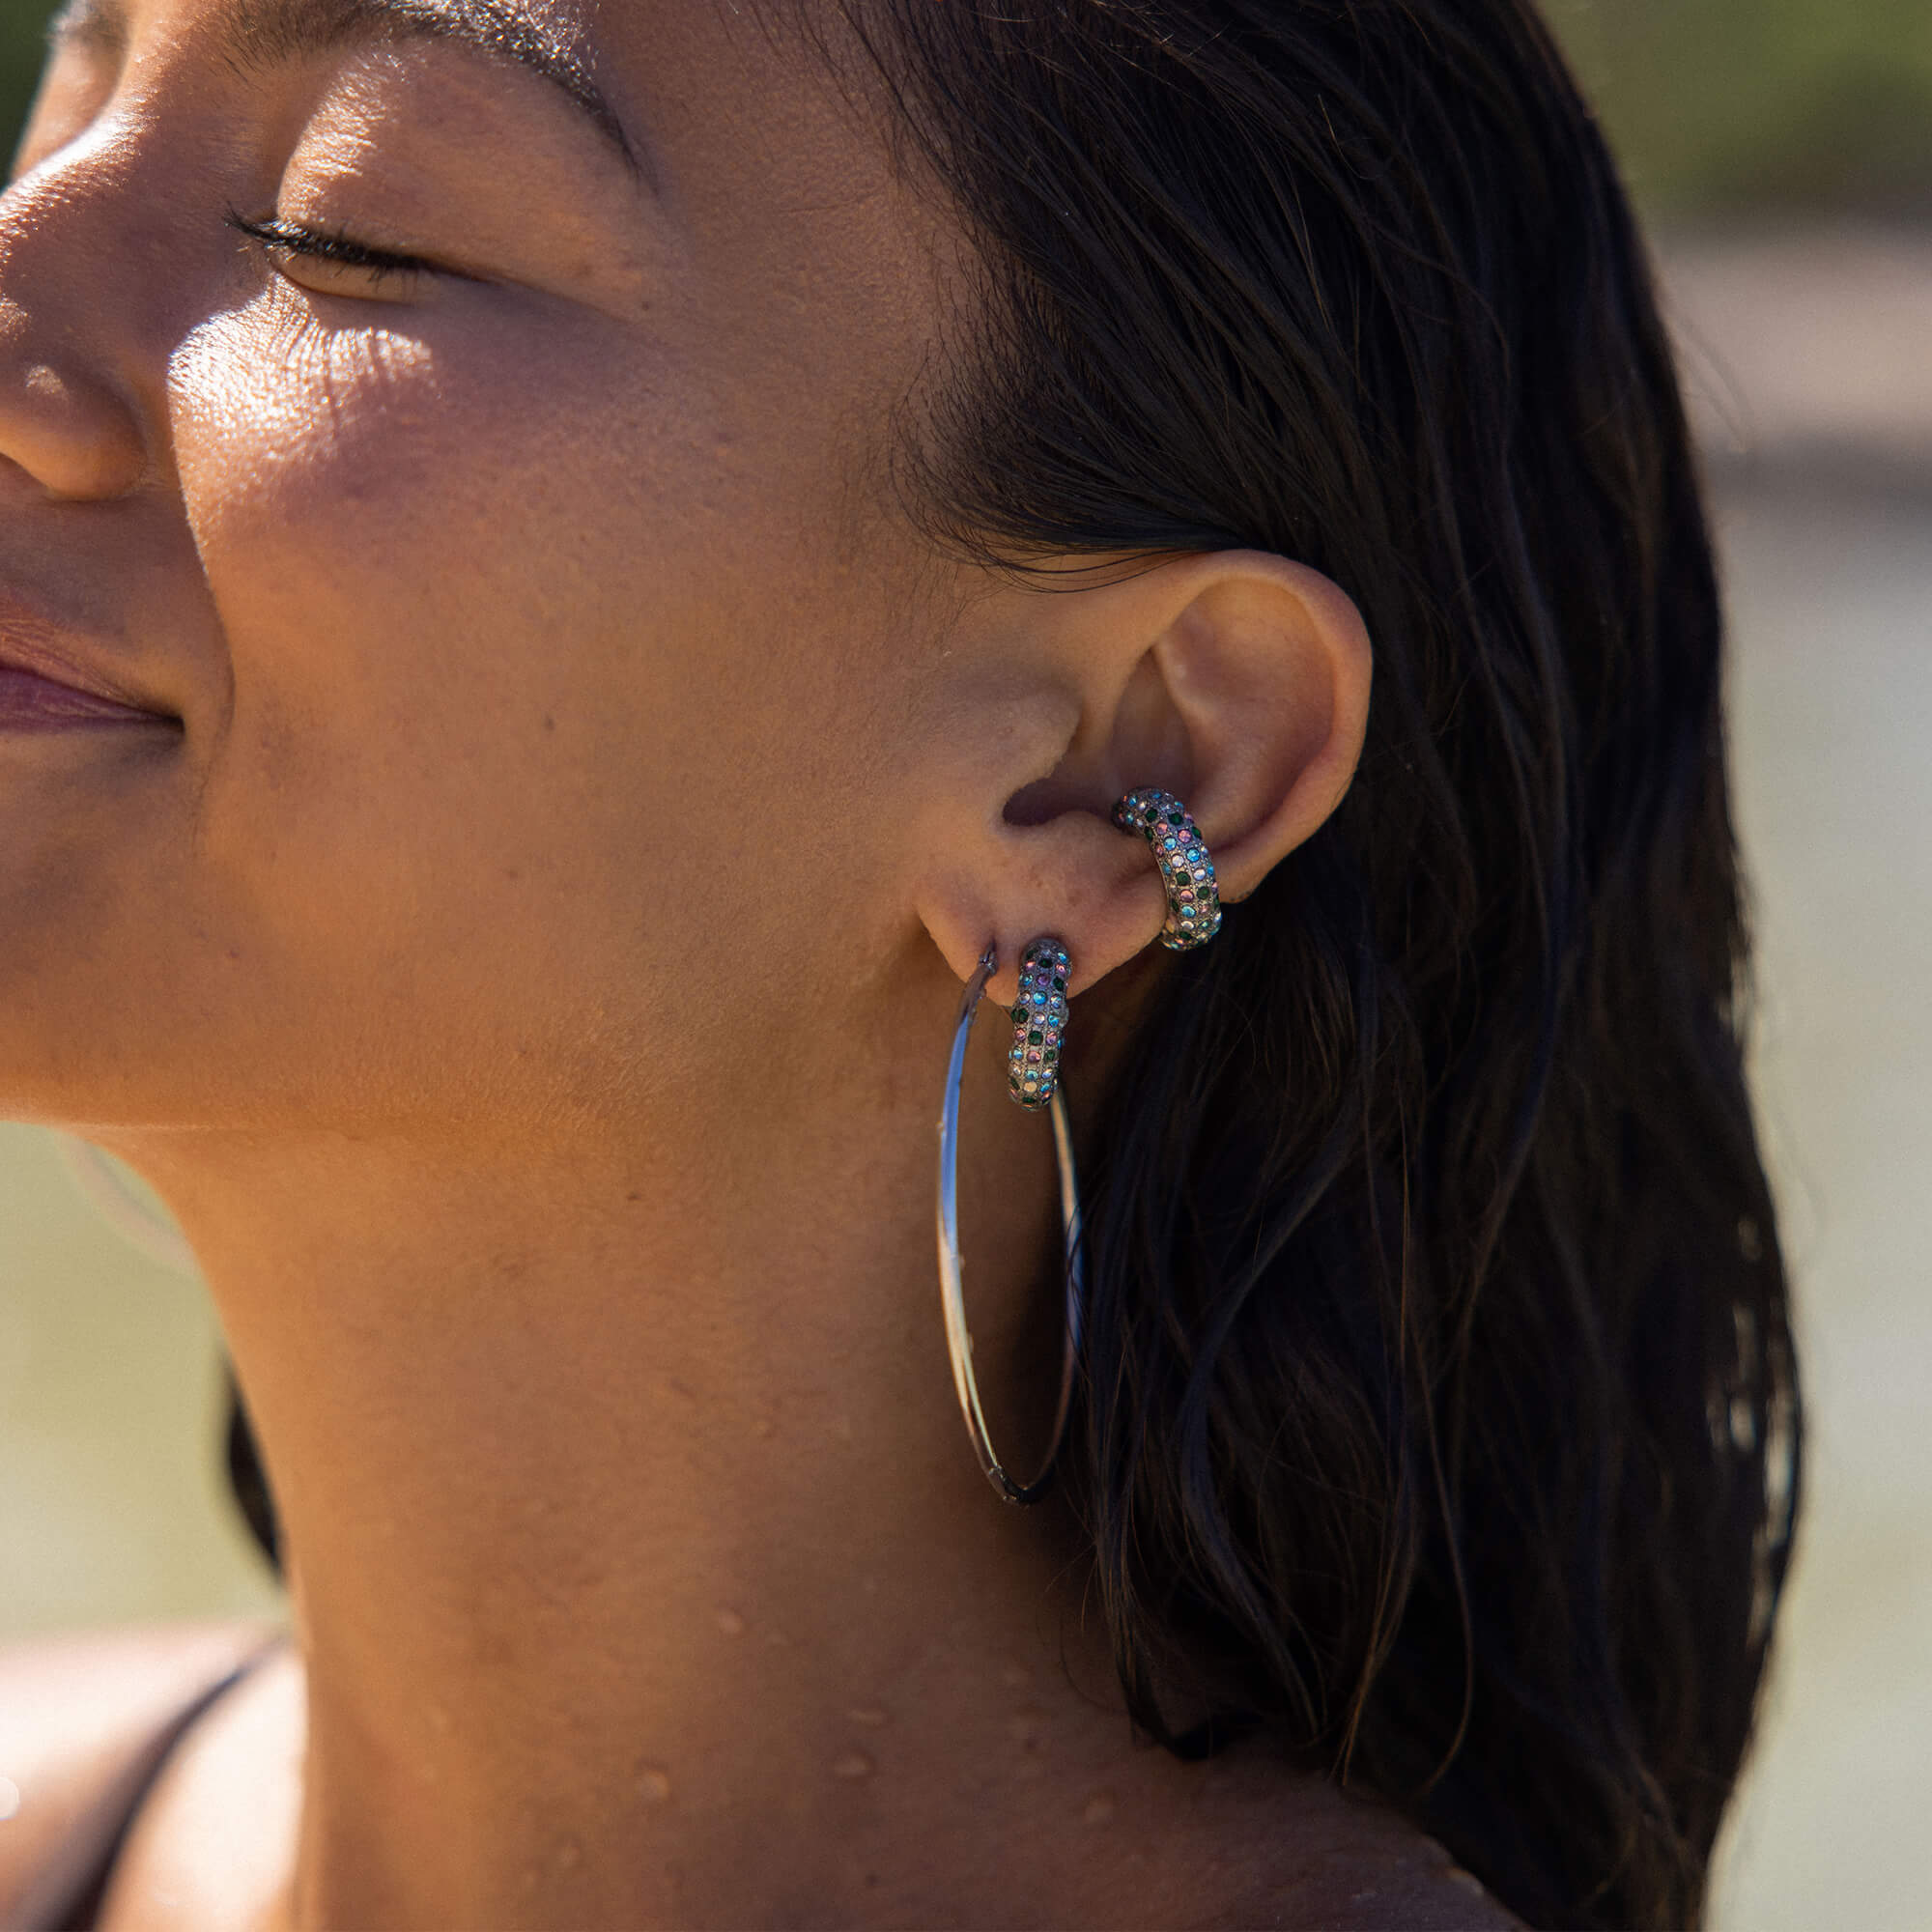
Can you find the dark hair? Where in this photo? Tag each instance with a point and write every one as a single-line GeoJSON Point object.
{"type": "Point", "coordinates": [1439, 1410]}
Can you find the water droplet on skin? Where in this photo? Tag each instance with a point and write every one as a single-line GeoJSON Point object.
{"type": "Point", "coordinates": [1099, 1809]}
{"type": "Point", "coordinates": [851, 1765]}
{"type": "Point", "coordinates": [729, 1621]}
{"type": "Point", "coordinates": [871, 1715]}
{"type": "Point", "coordinates": [10, 1797]}
{"type": "Point", "coordinates": [653, 1784]}
{"type": "Point", "coordinates": [567, 1856]}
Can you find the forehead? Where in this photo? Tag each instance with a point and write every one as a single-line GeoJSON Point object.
{"type": "Point", "coordinates": [770, 65]}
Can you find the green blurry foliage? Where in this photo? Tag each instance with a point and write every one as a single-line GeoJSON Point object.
{"type": "Point", "coordinates": [1716, 106]}
{"type": "Point", "coordinates": [1721, 106]}
{"type": "Point", "coordinates": [22, 29]}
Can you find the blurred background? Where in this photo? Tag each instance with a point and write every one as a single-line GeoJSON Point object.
{"type": "Point", "coordinates": [1782, 152]}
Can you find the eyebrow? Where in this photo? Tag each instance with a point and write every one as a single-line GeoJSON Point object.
{"type": "Point", "coordinates": [267, 33]}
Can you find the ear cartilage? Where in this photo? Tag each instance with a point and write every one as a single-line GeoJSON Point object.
{"type": "Point", "coordinates": [1040, 1024]}
{"type": "Point", "coordinates": [1186, 871]}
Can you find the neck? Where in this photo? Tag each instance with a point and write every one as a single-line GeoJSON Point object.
{"type": "Point", "coordinates": [641, 1565]}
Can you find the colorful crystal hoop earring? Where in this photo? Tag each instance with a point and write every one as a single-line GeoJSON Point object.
{"type": "Point", "coordinates": [1186, 871]}
{"type": "Point", "coordinates": [1039, 1023]}
{"type": "Point", "coordinates": [959, 1342]}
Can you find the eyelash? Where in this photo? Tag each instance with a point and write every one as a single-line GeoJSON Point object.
{"type": "Point", "coordinates": [322, 245]}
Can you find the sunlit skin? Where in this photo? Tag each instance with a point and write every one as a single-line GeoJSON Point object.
{"type": "Point", "coordinates": [522, 942]}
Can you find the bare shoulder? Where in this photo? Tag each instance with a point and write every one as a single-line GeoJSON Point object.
{"type": "Point", "coordinates": [1293, 1850]}
{"type": "Point", "coordinates": [1379, 1872]}
{"type": "Point", "coordinates": [77, 1714]}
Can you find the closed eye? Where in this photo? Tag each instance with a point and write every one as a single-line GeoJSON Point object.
{"type": "Point", "coordinates": [330, 263]}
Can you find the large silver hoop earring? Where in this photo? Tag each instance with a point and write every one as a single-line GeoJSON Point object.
{"type": "Point", "coordinates": [959, 1342]}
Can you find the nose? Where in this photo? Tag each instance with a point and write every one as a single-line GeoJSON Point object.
{"type": "Point", "coordinates": [68, 420]}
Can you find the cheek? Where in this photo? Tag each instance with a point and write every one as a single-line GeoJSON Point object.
{"type": "Point", "coordinates": [524, 687]}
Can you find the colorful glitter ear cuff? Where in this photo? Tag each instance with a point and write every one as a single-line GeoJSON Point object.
{"type": "Point", "coordinates": [1039, 1023]}
{"type": "Point", "coordinates": [1193, 898]}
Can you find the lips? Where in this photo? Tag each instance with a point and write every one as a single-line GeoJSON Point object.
{"type": "Point", "coordinates": [31, 702]}
{"type": "Point", "coordinates": [47, 685]}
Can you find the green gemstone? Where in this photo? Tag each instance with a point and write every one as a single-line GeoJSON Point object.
{"type": "Point", "coordinates": [1032, 1039]}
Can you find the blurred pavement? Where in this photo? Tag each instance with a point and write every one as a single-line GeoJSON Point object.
{"type": "Point", "coordinates": [1808, 360]}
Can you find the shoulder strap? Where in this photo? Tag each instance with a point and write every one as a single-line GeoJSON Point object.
{"type": "Point", "coordinates": [66, 1893]}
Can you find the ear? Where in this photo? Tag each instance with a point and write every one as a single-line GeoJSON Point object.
{"type": "Point", "coordinates": [1237, 680]}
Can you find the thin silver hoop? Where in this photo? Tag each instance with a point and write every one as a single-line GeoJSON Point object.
{"type": "Point", "coordinates": [959, 1342]}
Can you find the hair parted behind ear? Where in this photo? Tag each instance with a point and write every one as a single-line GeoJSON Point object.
{"type": "Point", "coordinates": [1440, 1410]}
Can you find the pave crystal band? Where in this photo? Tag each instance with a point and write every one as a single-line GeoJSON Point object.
{"type": "Point", "coordinates": [1040, 1024]}
{"type": "Point", "coordinates": [1186, 871]}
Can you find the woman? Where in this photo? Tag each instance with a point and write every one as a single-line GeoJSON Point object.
{"type": "Point", "coordinates": [570, 574]}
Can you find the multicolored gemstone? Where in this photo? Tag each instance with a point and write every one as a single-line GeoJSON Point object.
{"type": "Point", "coordinates": [1040, 1024]}
{"type": "Point", "coordinates": [1186, 871]}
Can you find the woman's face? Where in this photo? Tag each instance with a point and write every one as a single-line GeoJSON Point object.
{"type": "Point", "coordinates": [533, 640]}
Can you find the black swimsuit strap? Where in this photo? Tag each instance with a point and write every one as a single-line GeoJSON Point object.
{"type": "Point", "coordinates": [68, 1896]}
